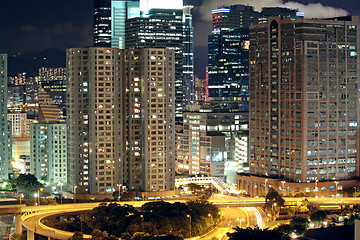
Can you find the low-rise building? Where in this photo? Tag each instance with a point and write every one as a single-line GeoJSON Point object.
{"type": "Point", "coordinates": [48, 152]}
{"type": "Point", "coordinates": [210, 140]}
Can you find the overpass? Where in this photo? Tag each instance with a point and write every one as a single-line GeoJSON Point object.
{"type": "Point", "coordinates": [30, 216]}
{"type": "Point", "coordinates": [32, 221]}
{"type": "Point", "coordinates": [214, 181]}
{"type": "Point", "coordinates": [24, 214]}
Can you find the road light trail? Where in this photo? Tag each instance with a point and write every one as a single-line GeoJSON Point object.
{"type": "Point", "coordinates": [252, 216]}
{"type": "Point", "coordinates": [258, 215]}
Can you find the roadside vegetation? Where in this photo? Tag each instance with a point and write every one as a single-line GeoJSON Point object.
{"type": "Point", "coordinates": [154, 220]}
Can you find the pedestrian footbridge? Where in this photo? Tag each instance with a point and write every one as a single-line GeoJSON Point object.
{"type": "Point", "coordinates": [217, 183]}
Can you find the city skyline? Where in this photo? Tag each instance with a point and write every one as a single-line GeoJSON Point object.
{"type": "Point", "coordinates": [70, 24]}
{"type": "Point", "coordinates": [163, 28]}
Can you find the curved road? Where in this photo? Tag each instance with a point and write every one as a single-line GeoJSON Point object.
{"type": "Point", "coordinates": [237, 216]}
{"type": "Point", "coordinates": [232, 215]}
{"type": "Point", "coordinates": [250, 216]}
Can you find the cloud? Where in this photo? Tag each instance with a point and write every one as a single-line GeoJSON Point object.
{"type": "Point", "coordinates": [311, 10]}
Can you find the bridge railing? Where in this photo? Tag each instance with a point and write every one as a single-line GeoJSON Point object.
{"type": "Point", "coordinates": [216, 182]}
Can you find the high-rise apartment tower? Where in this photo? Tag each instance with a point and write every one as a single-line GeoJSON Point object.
{"type": "Point", "coordinates": [304, 108]}
{"type": "Point", "coordinates": [5, 125]}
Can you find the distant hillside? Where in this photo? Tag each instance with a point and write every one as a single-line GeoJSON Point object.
{"type": "Point", "coordinates": [30, 63]}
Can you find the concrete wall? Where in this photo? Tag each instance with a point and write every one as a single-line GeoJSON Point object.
{"type": "Point", "coordinates": [255, 186]}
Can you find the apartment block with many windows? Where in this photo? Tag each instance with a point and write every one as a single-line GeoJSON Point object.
{"type": "Point", "coordinates": [304, 110]}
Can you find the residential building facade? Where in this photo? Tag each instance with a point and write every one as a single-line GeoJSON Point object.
{"type": "Point", "coordinates": [5, 125]}
{"type": "Point", "coordinates": [304, 112]}
{"type": "Point", "coordinates": [48, 152]}
{"type": "Point", "coordinates": [121, 119]}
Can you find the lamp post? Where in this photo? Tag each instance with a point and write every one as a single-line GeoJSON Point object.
{"type": "Point", "coordinates": [316, 187]}
{"type": "Point", "coordinates": [189, 216]}
{"type": "Point", "coordinates": [336, 183]}
{"type": "Point", "coordinates": [240, 220]}
{"type": "Point", "coordinates": [265, 186]}
{"type": "Point", "coordinates": [35, 196]}
{"type": "Point", "coordinates": [21, 196]}
{"type": "Point", "coordinates": [38, 195]}
{"type": "Point", "coordinates": [283, 186]}
{"type": "Point", "coordinates": [61, 185]}
{"type": "Point", "coordinates": [119, 186]}
{"type": "Point", "coordinates": [142, 222]}
{"type": "Point", "coordinates": [75, 187]}
{"type": "Point", "coordinates": [273, 210]}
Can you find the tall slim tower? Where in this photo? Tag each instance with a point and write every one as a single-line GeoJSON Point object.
{"type": "Point", "coordinates": [102, 23]}
{"type": "Point", "coordinates": [121, 119]}
{"type": "Point", "coordinates": [304, 108]}
{"type": "Point", "coordinates": [5, 125]}
{"type": "Point", "coordinates": [120, 11]}
{"type": "Point", "coordinates": [161, 28]}
{"type": "Point", "coordinates": [95, 119]}
{"type": "Point", "coordinates": [151, 119]}
{"type": "Point", "coordinates": [188, 52]}
{"type": "Point", "coordinates": [228, 49]}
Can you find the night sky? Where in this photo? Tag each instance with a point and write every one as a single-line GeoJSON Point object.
{"type": "Point", "coordinates": [33, 26]}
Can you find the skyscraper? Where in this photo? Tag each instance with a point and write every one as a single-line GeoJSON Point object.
{"type": "Point", "coordinates": [228, 47]}
{"type": "Point", "coordinates": [120, 11]}
{"type": "Point", "coordinates": [188, 52]}
{"type": "Point", "coordinates": [121, 119]}
{"type": "Point", "coordinates": [161, 28]}
{"type": "Point", "coordinates": [235, 16]}
{"type": "Point", "coordinates": [151, 119]}
{"type": "Point", "coordinates": [228, 59]}
{"type": "Point", "coordinates": [95, 109]}
{"type": "Point", "coordinates": [102, 23]}
{"type": "Point", "coordinates": [53, 82]}
{"type": "Point", "coordinates": [304, 109]}
{"type": "Point", "coordinates": [149, 20]}
{"type": "Point", "coordinates": [5, 125]}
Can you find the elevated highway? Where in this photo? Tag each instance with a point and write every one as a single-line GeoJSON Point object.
{"type": "Point", "coordinates": [30, 216]}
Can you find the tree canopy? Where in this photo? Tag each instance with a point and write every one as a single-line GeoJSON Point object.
{"type": "Point", "coordinates": [299, 225]}
{"type": "Point", "coordinates": [273, 200]}
{"type": "Point", "coordinates": [27, 183]}
{"type": "Point", "coordinates": [155, 218]}
{"type": "Point", "coordinates": [318, 216]}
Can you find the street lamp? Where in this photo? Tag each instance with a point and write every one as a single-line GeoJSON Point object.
{"type": "Point", "coordinates": [240, 220]}
{"type": "Point", "coordinates": [35, 196]}
{"type": "Point", "coordinates": [273, 210]}
{"type": "Point", "coordinates": [75, 187]}
{"type": "Point", "coordinates": [119, 186]}
{"type": "Point", "coordinates": [38, 195]}
{"type": "Point", "coordinates": [142, 222]}
{"type": "Point", "coordinates": [61, 185]}
{"type": "Point", "coordinates": [316, 186]}
{"type": "Point", "coordinates": [265, 186]}
{"type": "Point", "coordinates": [189, 216]}
{"type": "Point", "coordinates": [21, 196]}
{"type": "Point", "coordinates": [336, 183]}
{"type": "Point", "coordinates": [283, 186]}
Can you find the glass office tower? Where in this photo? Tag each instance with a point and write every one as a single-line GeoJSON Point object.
{"type": "Point", "coordinates": [102, 23]}
{"type": "Point", "coordinates": [120, 11]}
